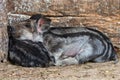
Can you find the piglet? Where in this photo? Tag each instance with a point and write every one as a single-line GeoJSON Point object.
{"type": "Point", "coordinates": [26, 52]}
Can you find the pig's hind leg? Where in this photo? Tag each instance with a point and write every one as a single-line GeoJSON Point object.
{"type": "Point", "coordinates": [85, 54]}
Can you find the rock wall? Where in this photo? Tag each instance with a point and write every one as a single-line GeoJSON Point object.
{"type": "Point", "coordinates": [3, 31]}
{"type": "Point", "coordinates": [67, 7]}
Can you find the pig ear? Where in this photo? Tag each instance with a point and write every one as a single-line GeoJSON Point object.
{"type": "Point", "coordinates": [43, 24]}
{"type": "Point", "coordinates": [43, 21]}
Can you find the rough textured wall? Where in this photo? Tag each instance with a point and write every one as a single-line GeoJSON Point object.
{"type": "Point", "coordinates": [100, 14]}
{"type": "Point", "coordinates": [67, 7]}
{"type": "Point", "coordinates": [3, 30]}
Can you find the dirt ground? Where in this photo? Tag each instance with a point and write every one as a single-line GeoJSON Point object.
{"type": "Point", "coordinates": [88, 71]}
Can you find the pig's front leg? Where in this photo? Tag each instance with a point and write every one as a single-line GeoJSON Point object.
{"type": "Point", "coordinates": [66, 62]}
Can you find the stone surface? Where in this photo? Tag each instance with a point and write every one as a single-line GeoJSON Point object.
{"type": "Point", "coordinates": [67, 7]}
{"type": "Point", "coordinates": [3, 31]}
{"type": "Point", "coordinates": [88, 71]}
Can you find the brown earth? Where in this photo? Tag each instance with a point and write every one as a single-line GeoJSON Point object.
{"type": "Point", "coordinates": [88, 71]}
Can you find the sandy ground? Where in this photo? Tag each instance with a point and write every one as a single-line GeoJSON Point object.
{"type": "Point", "coordinates": [88, 71]}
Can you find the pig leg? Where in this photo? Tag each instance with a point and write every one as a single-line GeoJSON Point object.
{"type": "Point", "coordinates": [66, 61]}
{"type": "Point", "coordinates": [85, 54]}
{"type": "Point", "coordinates": [93, 51]}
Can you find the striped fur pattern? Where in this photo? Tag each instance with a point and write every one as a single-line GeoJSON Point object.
{"type": "Point", "coordinates": [27, 53]}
